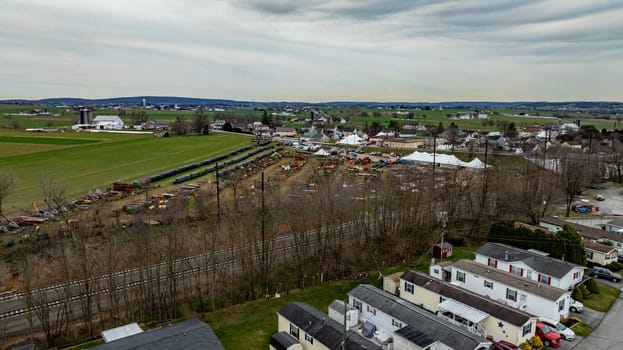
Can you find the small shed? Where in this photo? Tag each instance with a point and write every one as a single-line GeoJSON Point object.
{"type": "Point", "coordinates": [391, 283]}
{"type": "Point", "coordinates": [442, 250]}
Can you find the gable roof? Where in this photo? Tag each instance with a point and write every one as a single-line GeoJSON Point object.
{"type": "Point", "coordinates": [491, 307]}
{"type": "Point", "coordinates": [543, 264]}
{"type": "Point", "coordinates": [416, 337]}
{"type": "Point", "coordinates": [585, 231]}
{"type": "Point", "coordinates": [597, 246]}
{"type": "Point", "coordinates": [322, 328]}
{"type": "Point", "coordinates": [425, 322]}
{"type": "Point", "coordinates": [511, 280]}
{"type": "Point", "coordinates": [189, 334]}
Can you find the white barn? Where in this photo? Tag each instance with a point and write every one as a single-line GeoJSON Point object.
{"type": "Point", "coordinates": [108, 122]}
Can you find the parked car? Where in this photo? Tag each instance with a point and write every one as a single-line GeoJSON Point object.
{"type": "Point", "coordinates": [575, 306]}
{"type": "Point", "coordinates": [602, 272]}
{"type": "Point", "coordinates": [564, 331]}
{"type": "Point", "coordinates": [579, 209]}
{"type": "Point", "coordinates": [548, 335]}
{"type": "Point", "coordinates": [600, 197]}
{"type": "Point", "coordinates": [504, 345]}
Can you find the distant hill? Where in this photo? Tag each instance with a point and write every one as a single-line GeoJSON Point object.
{"type": "Point", "coordinates": [192, 101]}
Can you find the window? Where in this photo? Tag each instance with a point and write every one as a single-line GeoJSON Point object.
{"type": "Point", "coordinates": [589, 254]}
{"type": "Point", "coordinates": [516, 270]}
{"type": "Point", "coordinates": [561, 305]}
{"type": "Point", "coordinates": [409, 287]}
{"type": "Point", "coordinates": [488, 284]}
{"type": "Point", "coordinates": [396, 324]}
{"type": "Point", "coordinates": [492, 262]}
{"type": "Point", "coordinates": [441, 299]}
{"type": "Point", "coordinates": [526, 329]}
{"type": "Point", "coordinates": [309, 338]}
{"type": "Point", "coordinates": [371, 309]}
{"type": "Point", "coordinates": [460, 276]}
{"type": "Point", "coordinates": [511, 294]}
{"type": "Point", "coordinates": [357, 305]}
{"type": "Point", "coordinates": [545, 279]}
{"type": "Point", "coordinates": [294, 331]}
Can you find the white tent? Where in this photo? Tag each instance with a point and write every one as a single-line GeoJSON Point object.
{"type": "Point", "coordinates": [443, 159]}
{"type": "Point", "coordinates": [351, 140]}
{"type": "Point", "coordinates": [321, 152]}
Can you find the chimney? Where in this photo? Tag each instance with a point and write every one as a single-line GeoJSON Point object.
{"type": "Point", "coordinates": [506, 255]}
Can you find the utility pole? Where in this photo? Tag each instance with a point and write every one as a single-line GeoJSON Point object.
{"type": "Point", "coordinates": [263, 214]}
{"type": "Point", "coordinates": [218, 195]}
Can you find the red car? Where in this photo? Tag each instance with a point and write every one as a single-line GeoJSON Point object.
{"type": "Point", "coordinates": [548, 335]}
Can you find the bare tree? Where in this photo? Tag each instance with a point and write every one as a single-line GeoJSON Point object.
{"type": "Point", "coordinates": [7, 185]}
{"type": "Point", "coordinates": [53, 190]}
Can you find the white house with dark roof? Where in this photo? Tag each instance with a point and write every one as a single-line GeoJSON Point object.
{"type": "Point", "coordinates": [530, 264]}
{"type": "Point", "coordinates": [508, 288]}
{"type": "Point", "coordinates": [465, 308]}
{"type": "Point", "coordinates": [391, 315]}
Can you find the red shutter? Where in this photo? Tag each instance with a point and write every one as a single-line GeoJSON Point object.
{"type": "Point", "coordinates": [496, 264]}
{"type": "Point", "coordinates": [549, 280]}
{"type": "Point", "coordinates": [488, 261]}
{"type": "Point", "coordinates": [510, 268]}
{"type": "Point", "coordinates": [521, 272]}
{"type": "Point", "coordinates": [538, 278]}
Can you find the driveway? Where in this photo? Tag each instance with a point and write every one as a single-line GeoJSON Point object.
{"type": "Point", "coordinates": [588, 316]}
{"type": "Point", "coordinates": [607, 334]}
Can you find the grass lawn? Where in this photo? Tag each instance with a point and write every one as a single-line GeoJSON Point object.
{"type": "Point", "coordinates": [250, 325]}
{"type": "Point", "coordinates": [87, 166]}
{"type": "Point", "coordinates": [582, 329]}
{"type": "Point", "coordinates": [458, 253]}
{"type": "Point", "coordinates": [604, 300]}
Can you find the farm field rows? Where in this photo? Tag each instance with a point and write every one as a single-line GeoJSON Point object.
{"type": "Point", "coordinates": [83, 167]}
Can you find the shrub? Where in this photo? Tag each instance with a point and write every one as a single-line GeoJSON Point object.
{"type": "Point", "coordinates": [591, 285]}
{"type": "Point", "coordinates": [536, 342]}
{"type": "Point", "coordinates": [578, 294]}
{"type": "Point", "coordinates": [525, 346]}
{"type": "Point", "coordinates": [615, 266]}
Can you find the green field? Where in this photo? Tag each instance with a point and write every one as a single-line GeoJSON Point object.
{"type": "Point", "coordinates": [94, 160]}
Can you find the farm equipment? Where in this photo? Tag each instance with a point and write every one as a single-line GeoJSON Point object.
{"type": "Point", "coordinates": [122, 187]}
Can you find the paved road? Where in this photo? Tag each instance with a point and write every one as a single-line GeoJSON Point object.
{"type": "Point", "coordinates": [607, 334]}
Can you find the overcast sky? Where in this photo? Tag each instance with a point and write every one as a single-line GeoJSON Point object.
{"type": "Point", "coordinates": [314, 50]}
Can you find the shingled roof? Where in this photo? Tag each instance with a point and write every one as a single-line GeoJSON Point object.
{"type": "Point", "coordinates": [491, 307]}
{"type": "Point", "coordinates": [543, 264]}
{"type": "Point", "coordinates": [322, 328]}
{"type": "Point", "coordinates": [512, 280]}
{"type": "Point", "coordinates": [188, 335]}
{"type": "Point", "coordinates": [425, 322]}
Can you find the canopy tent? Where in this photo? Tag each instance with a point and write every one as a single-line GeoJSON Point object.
{"type": "Point", "coordinates": [351, 140]}
{"type": "Point", "coordinates": [321, 152]}
{"type": "Point", "coordinates": [464, 311]}
{"type": "Point", "coordinates": [442, 159]}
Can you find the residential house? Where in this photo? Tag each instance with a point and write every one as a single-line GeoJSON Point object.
{"type": "Point", "coordinates": [483, 116]}
{"type": "Point", "coordinates": [285, 131]}
{"type": "Point", "coordinates": [615, 226]}
{"type": "Point", "coordinates": [188, 335]}
{"type": "Point", "coordinates": [391, 314]}
{"type": "Point", "coordinates": [532, 265]}
{"type": "Point", "coordinates": [508, 288]}
{"type": "Point", "coordinates": [402, 143]}
{"type": "Point", "coordinates": [598, 253]}
{"type": "Point", "coordinates": [314, 330]}
{"type": "Point", "coordinates": [218, 124]}
{"type": "Point", "coordinates": [108, 122]}
{"type": "Point", "coordinates": [588, 233]}
{"type": "Point", "coordinates": [479, 314]}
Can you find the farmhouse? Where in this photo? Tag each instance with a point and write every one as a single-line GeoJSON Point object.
{"type": "Point", "coordinates": [108, 122]}
{"type": "Point", "coordinates": [508, 288]}
{"type": "Point", "coordinates": [392, 315]}
{"type": "Point", "coordinates": [531, 265]}
{"type": "Point", "coordinates": [464, 308]}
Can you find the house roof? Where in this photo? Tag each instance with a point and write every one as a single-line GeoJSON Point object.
{"type": "Point", "coordinates": [394, 276]}
{"type": "Point", "coordinates": [107, 118]}
{"type": "Point", "coordinates": [543, 264]}
{"type": "Point", "coordinates": [585, 231]}
{"type": "Point", "coordinates": [616, 222]}
{"type": "Point", "coordinates": [284, 129]}
{"type": "Point", "coordinates": [425, 322]}
{"type": "Point", "coordinates": [491, 307]}
{"type": "Point", "coordinates": [121, 332]}
{"type": "Point", "coordinates": [443, 245]}
{"type": "Point", "coordinates": [416, 337]}
{"type": "Point", "coordinates": [511, 280]}
{"type": "Point", "coordinates": [322, 328]}
{"type": "Point", "coordinates": [189, 334]}
{"type": "Point", "coordinates": [282, 341]}
{"type": "Point", "coordinates": [597, 246]}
